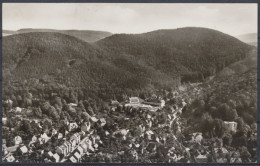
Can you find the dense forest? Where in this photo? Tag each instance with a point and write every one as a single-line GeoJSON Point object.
{"type": "Point", "coordinates": [158, 59]}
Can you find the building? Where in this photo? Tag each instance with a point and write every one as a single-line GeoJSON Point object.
{"type": "Point", "coordinates": [76, 137]}
{"type": "Point", "coordinates": [23, 149]}
{"type": "Point", "coordinates": [73, 104]}
{"type": "Point", "coordinates": [136, 102]}
{"type": "Point", "coordinates": [4, 121]}
{"type": "Point", "coordinates": [54, 132]}
{"type": "Point", "coordinates": [50, 154]}
{"type": "Point", "coordinates": [10, 158]}
{"type": "Point", "coordinates": [72, 159]}
{"type": "Point", "coordinates": [133, 102]}
{"type": "Point", "coordinates": [231, 126]}
{"type": "Point", "coordinates": [73, 144]}
{"type": "Point", "coordinates": [84, 146]}
{"type": "Point", "coordinates": [160, 104]}
{"type": "Point", "coordinates": [80, 150]}
{"type": "Point", "coordinates": [45, 137]}
{"type": "Point", "coordinates": [77, 156]}
{"type": "Point", "coordinates": [73, 126]}
{"type": "Point", "coordinates": [221, 152]}
{"type": "Point", "coordinates": [18, 109]}
{"type": "Point", "coordinates": [34, 139]}
{"type": "Point", "coordinates": [102, 121]}
{"type": "Point", "coordinates": [85, 126]}
{"type": "Point", "coordinates": [46, 160]}
{"type": "Point", "coordinates": [196, 137]}
{"type": "Point", "coordinates": [94, 119]}
{"type": "Point", "coordinates": [68, 147]}
{"type": "Point", "coordinates": [41, 141]}
{"type": "Point", "coordinates": [3, 143]}
{"type": "Point", "coordinates": [60, 136]}
{"type": "Point", "coordinates": [56, 157]}
{"type": "Point", "coordinates": [61, 150]}
{"type": "Point", "coordinates": [202, 159]}
{"type": "Point", "coordinates": [17, 140]}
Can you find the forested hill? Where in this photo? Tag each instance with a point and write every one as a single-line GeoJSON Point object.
{"type": "Point", "coordinates": [154, 59]}
{"type": "Point", "coordinates": [85, 35]}
{"type": "Point", "coordinates": [183, 51]}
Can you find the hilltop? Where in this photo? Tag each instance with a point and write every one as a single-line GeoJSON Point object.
{"type": "Point", "coordinates": [192, 53]}
{"type": "Point", "coordinates": [85, 35]}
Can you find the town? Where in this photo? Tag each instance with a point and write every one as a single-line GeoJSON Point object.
{"type": "Point", "coordinates": [135, 130]}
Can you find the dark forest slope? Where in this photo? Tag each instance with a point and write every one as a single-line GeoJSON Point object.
{"type": "Point", "coordinates": [155, 59]}
{"type": "Point", "coordinates": [180, 51]}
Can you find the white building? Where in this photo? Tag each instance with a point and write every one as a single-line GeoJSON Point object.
{"type": "Point", "coordinates": [18, 109]}
{"type": "Point", "coordinates": [76, 137]}
{"type": "Point", "coordinates": [24, 149]}
{"type": "Point", "coordinates": [4, 120]}
{"type": "Point", "coordinates": [73, 104]}
{"type": "Point", "coordinates": [72, 159]}
{"type": "Point", "coordinates": [202, 158]}
{"type": "Point", "coordinates": [61, 150]}
{"type": "Point", "coordinates": [73, 126]}
{"type": "Point", "coordinates": [133, 102]}
{"type": "Point", "coordinates": [85, 126]}
{"type": "Point", "coordinates": [77, 156]}
{"type": "Point", "coordinates": [80, 150]}
{"type": "Point", "coordinates": [56, 157]}
{"type": "Point", "coordinates": [17, 140]}
{"type": "Point", "coordinates": [231, 126]}
{"type": "Point", "coordinates": [10, 158]}
{"type": "Point", "coordinates": [139, 103]}
{"type": "Point", "coordinates": [197, 137]}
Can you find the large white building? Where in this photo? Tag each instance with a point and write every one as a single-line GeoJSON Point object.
{"type": "Point", "coordinates": [231, 126]}
{"type": "Point", "coordinates": [139, 103]}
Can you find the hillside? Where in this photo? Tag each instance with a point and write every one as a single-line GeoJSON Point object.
{"type": "Point", "coordinates": [157, 59]}
{"type": "Point", "coordinates": [250, 38]}
{"type": "Point", "coordinates": [242, 66]}
{"type": "Point", "coordinates": [189, 52]}
{"type": "Point", "coordinates": [85, 35]}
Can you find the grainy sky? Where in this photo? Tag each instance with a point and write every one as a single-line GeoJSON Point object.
{"type": "Point", "coordinates": [234, 19]}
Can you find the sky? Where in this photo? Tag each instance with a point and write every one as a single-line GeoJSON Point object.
{"type": "Point", "coordinates": [231, 18]}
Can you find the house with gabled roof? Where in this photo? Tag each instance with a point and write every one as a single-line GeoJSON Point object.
{"type": "Point", "coordinates": [56, 157]}
{"type": "Point", "coordinates": [10, 158]}
{"type": "Point", "coordinates": [75, 137]}
{"type": "Point", "coordinates": [77, 156]}
{"type": "Point", "coordinates": [72, 159]}
{"type": "Point", "coordinates": [80, 150]}
{"type": "Point", "coordinates": [23, 149]}
{"type": "Point", "coordinates": [17, 140]}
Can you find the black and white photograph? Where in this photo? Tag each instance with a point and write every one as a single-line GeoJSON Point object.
{"type": "Point", "coordinates": [129, 82]}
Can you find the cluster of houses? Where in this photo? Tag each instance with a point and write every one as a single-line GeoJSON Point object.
{"type": "Point", "coordinates": [85, 142]}
{"type": "Point", "coordinates": [8, 151]}
{"type": "Point", "coordinates": [68, 146]}
{"type": "Point", "coordinates": [219, 152]}
{"type": "Point", "coordinates": [65, 150]}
